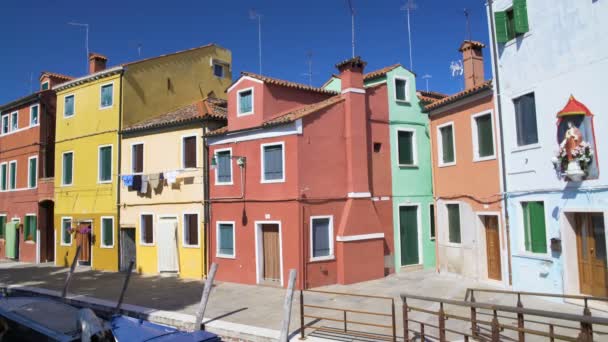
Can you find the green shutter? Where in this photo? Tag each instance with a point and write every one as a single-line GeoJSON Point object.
{"type": "Point", "coordinates": [502, 30]}
{"type": "Point", "coordinates": [454, 222]}
{"type": "Point", "coordinates": [67, 168]}
{"type": "Point", "coordinates": [108, 232]}
{"type": "Point", "coordinates": [33, 172]}
{"type": "Point", "coordinates": [520, 12]}
{"type": "Point", "coordinates": [408, 226]}
{"type": "Point", "coordinates": [105, 163]}
{"type": "Point", "coordinates": [447, 142]}
{"type": "Point", "coordinates": [537, 223]}
{"type": "Point", "coordinates": [30, 228]}
{"type": "Point", "coordinates": [13, 173]}
{"type": "Point", "coordinates": [406, 147]}
{"type": "Point", "coordinates": [485, 142]}
{"type": "Point", "coordinates": [400, 89]}
{"type": "Point", "coordinates": [527, 233]}
{"type": "Point", "coordinates": [2, 226]}
{"type": "Point", "coordinates": [65, 226]}
{"type": "Point", "coordinates": [3, 175]}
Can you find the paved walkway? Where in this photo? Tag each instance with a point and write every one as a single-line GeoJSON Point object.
{"type": "Point", "coordinates": [262, 306]}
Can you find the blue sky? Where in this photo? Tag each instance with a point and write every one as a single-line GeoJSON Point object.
{"type": "Point", "coordinates": [35, 35]}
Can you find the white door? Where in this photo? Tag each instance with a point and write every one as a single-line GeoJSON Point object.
{"type": "Point", "coordinates": [167, 245]}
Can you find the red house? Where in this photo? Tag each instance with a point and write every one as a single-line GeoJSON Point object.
{"type": "Point", "coordinates": [27, 149]}
{"type": "Point", "coordinates": [301, 180]}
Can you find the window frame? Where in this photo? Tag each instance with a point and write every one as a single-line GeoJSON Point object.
{"type": "Point", "coordinates": [183, 149]}
{"type": "Point", "coordinates": [143, 151]}
{"type": "Point", "coordinates": [475, 136]}
{"type": "Point", "coordinates": [37, 105]}
{"type": "Point", "coordinates": [217, 240]}
{"type": "Point", "coordinates": [48, 85]}
{"type": "Point", "coordinates": [5, 177]}
{"type": "Point", "coordinates": [263, 163]}
{"type": "Point", "coordinates": [214, 65]}
{"type": "Point", "coordinates": [519, 147]}
{"type": "Point", "coordinates": [217, 182]}
{"type": "Point", "coordinates": [63, 219]}
{"type": "Point", "coordinates": [238, 102]}
{"type": "Point", "coordinates": [332, 254]}
{"type": "Point", "coordinates": [447, 215]}
{"type": "Point", "coordinates": [407, 86]}
{"type": "Point", "coordinates": [433, 218]}
{"type": "Point", "coordinates": [25, 239]}
{"type": "Point", "coordinates": [8, 121]}
{"type": "Point", "coordinates": [63, 168]}
{"type": "Point", "coordinates": [198, 230]}
{"type": "Point", "coordinates": [3, 235]}
{"type": "Point", "coordinates": [414, 147]}
{"type": "Point", "coordinates": [29, 186]}
{"type": "Point", "coordinates": [72, 95]}
{"type": "Point", "coordinates": [523, 250]}
{"type": "Point", "coordinates": [101, 86]}
{"type": "Point", "coordinates": [10, 174]}
{"type": "Point", "coordinates": [99, 180]}
{"type": "Point", "coordinates": [101, 243]}
{"type": "Point", "coordinates": [141, 230]}
{"type": "Point", "coordinates": [441, 163]}
{"type": "Point", "coordinates": [12, 121]}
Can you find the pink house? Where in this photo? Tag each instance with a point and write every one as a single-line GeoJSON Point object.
{"type": "Point", "coordinates": [301, 180]}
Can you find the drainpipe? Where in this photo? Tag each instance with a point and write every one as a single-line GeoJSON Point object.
{"type": "Point", "coordinates": [119, 156]}
{"type": "Point", "coordinates": [500, 125]}
{"type": "Point", "coordinates": [206, 202]}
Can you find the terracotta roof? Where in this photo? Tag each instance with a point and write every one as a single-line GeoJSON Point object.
{"type": "Point", "coordinates": [432, 94]}
{"type": "Point", "coordinates": [23, 100]}
{"type": "Point", "coordinates": [288, 84]}
{"type": "Point", "coordinates": [169, 54]}
{"type": "Point", "coordinates": [460, 95]}
{"type": "Point", "coordinates": [297, 113]}
{"type": "Point", "coordinates": [380, 72]}
{"type": "Point", "coordinates": [356, 61]}
{"type": "Point", "coordinates": [471, 43]}
{"type": "Point", "coordinates": [55, 75]}
{"type": "Point", "coordinates": [426, 99]}
{"type": "Point", "coordinates": [209, 108]}
{"type": "Point", "coordinates": [218, 131]}
{"type": "Point", "coordinates": [96, 55]}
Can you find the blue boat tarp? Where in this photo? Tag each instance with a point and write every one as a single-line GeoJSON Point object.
{"type": "Point", "coordinates": [131, 329]}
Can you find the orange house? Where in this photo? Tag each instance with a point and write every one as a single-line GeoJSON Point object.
{"type": "Point", "coordinates": [470, 237]}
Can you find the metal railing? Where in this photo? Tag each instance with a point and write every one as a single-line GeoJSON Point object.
{"type": "Point", "coordinates": [345, 319]}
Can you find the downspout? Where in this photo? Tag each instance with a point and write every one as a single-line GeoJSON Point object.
{"type": "Point", "coordinates": [119, 156]}
{"type": "Point", "coordinates": [206, 202]}
{"type": "Point", "coordinates": [500, 125]}
{"type": "Point", "coordinates": [434, 187]}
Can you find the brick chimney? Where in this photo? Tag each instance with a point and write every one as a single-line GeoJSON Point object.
{"type": "Point", "coordinates": [472, 59]}
{"type": "Point", "coordinates": [97, 62]}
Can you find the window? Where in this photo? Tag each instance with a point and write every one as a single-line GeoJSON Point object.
{"type": "Point", "coordinates": [512, 22]}
{"type": "Point", "coordinates": [218, 70]}
{"type": "Point", "coordinates": [483, 137]}
{"type": "Point", "coordinates": [29, 228]}
{"type": "Point", "coordinates": [107, 95]}
{"type": "Point", "coordinates": [5, 124]}
{"type": "Point", "coordinates": [525, 120]}
{"type": "Point", "coordinates": [45, 86]}
{"type": "Point", "coordinates": [147, 229]}
{"type": "Point", "coordinates": [32, 172]}
{"type": "Point", "coordinates": [321, 231]}
{"type": "Point", "coordinates": [446, 145]}
{"type": "Point", "coordinates": [67, 168]}
{"type": "Point", "coordinates": [272, 163]}
{"type": "Point", "coordinates": [12, 178]}
{"type": "Point", "coordinates": [454, 222]}
{"type": "Point", "coordinates": [225, 239]}
{"type": "Point", "coordinates": [34, 115]}
{"type": "Point", "coordinates": [107, 231]}
{"type": "Point", "coordinates": [4, 176]}
{"type": "Point", "coordinates": [406, 147]}
{"type": "Point", "coordinates": [223, 172]}
{"type": "Point", "coordinates": [137, 158]}
{"type": "Point", "coordinates": [189, 152]}
{"type": "Point", "coordinates": [66, 231]}
{"type": "Point", "coordinates": [191, 230]}
{"type": "Point", "coordinates": [68, 106]}
{"type": "Point", "coordinates": [2, 226]}
{"type": "Point", "coordinates": [245, 102]}
{"type": "Point", "coordinates": [105, 164]}
{"type": "Point", "coordinates": [432, 220]}
{"type": "Point", "coordinates": [14, 121]}
{"type": "Point", "coordinates": [401, 90]}
{"type": "Point", "coordinates": [535, 240]}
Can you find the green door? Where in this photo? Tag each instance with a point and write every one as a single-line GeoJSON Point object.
{"type": "Point", "coordinates": [408, 227]}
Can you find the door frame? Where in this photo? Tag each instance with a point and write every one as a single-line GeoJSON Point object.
{"type": "Point", "coordinates": [79, 222]}
{"type": "Point", "coordinates": [120, 242]}
{"type": "Point", "coordinates": [177, 238]}
{"type": "Point", "coordinates": [483, 246]}
{"type": "Point", "coordinates": [259, 250]}
{"type": "Point", "coordinates": [419, 228]}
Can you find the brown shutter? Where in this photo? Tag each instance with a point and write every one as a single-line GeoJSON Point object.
{"type": "Point", "coordinates": [138, 158]}
{"type": "Point", "coordinates": [148, 229]}
{"type": "Point", "coordinates": [192, 229]}
{"type": "Point", "coordinates": [189, 152]}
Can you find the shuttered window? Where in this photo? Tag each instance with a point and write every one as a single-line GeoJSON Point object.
{"type": "Point", "coordinates": [485, 136]}
{"type": "Point", "coordinates": [191, 229]}
{"type": "Point", "coordinates": [29, 228]}
{"type": "Point", "coordinates": [406, 147]}
{"type": "Point", "coordinates": [5, 124]}
{"type": "Point", "coordinates": [12, 183]}
{"type": "Point", "coordinates": [32, 173]}
{"type": "Point", "coordinates": [66, 227]}
{"type": "Point", "coordinates": [14, 121]}
{"type": "Point", "coordinates": [218, 70]}
{"type": "Point", "coordinates": [454, 222]}
{"type": "Point", "coordinates": [245, 101]}
{"type": "Point", "coordinates": [45, 86]}
{"type": "Point", "coordinates": [34, 114]}
{"type": "Point", "coordinates": [525, 120]}
{"type": "Point", "coordinates": [225, 241]}
{"type": "Point", "coordinates": [447, 144]}
{"type": "Point", "coordinates": [67, 168]}
{"type": "Point", "coordinates": [2, 226]}
{"type": "Point", "coordinates": [68, 106]}
{"type": "Point", "coordinates": [4, 175]}
{"type": "Point", "coordinates": [400, 89]}
{"type": "Point", "coordinates": [534, 225]}
{"type": "Point", "coordinates": [107, 232]}
{"type": "Point", "coordinates": [432, 220]}
{"type": "Point", "coordinates": [107, 95]}
{"type": "Point", "coordinates": [321, 237]}
{"type": "Point", "coordinates": [272, 163]}
{"type": "Point", "coordinates": [189, 152]}
{"type": "Point", "coordinates": [512, 22]}
{"type": "Point", "coordinates": [224, 167]}
{"type": "Point", "coordinates": [105, 163]}
{"type": "Point", "coordinates": [137, 158]}
{"type": "Point", "coordinates": [147, 229]}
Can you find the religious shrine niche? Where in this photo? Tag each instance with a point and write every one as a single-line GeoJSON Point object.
{"type": "Point", "coordinates": [576, 158]}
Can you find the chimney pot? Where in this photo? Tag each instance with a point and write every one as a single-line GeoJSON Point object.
{"type": "Point", "coordinates": [472, 59]}
{"type": "Point", "coordinates": [97, 62]}
{"type": "Point", "coordinates": [351, 73]}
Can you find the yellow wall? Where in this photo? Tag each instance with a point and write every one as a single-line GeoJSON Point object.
{"type": "Point", "coordinates": [85, 199]}
{"type": "Point", "coordinates": [159, 85]}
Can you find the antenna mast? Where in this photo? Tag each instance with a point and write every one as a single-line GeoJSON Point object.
{"type": "Point", "coordinates": [426, 78]}
{"type": "Point", "coordinates": [408, 7]}
{"type": "Point", "coordinates": [86, 41]}
{"type": "Point", "coordinates": [466, 15]}
{"type": "Point", "coordinates": [309, 61]}
{"type": "Point", "coordinates": [253, 15]}
{"type": "Point", "coordinates": [352, 16]}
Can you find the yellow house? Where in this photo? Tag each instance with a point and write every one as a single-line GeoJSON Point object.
{"type": "Point", "coordinates": [162, 193]}
{"type": "Point", "coordinates": [91, 112]}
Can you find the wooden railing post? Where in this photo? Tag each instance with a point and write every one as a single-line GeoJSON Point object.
{"type": "Point", "coordinates": [302, 336]}
{"type": "Point", "coordinates": [520, 320]}
{"type": "Point", "coordinates": [551, 332]}
{"type": "Point", "coordinates": [345, 326]}
{"type": "Point", "coordinates": [393, 321]}
{"type": "Point", "coordinates": [474, 330]}
{"type": "Point", "coordinates": [495, 328]}
{"type": "Point", "coordinates": [441, 314]}
{"type": "Point", "coordinates": [422, 334]}
{"type": "Point", "coordinates": [68, 279]}
{"type": "Point", "coordinates": [406, 330]}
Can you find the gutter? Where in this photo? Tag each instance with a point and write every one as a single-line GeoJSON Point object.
{"type": "Point", "coordinates": [118, 177]}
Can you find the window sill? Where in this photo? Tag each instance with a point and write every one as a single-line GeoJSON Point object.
{"type": "Point", "coordinates": [534, 256]}
{"type": "Point", "coordinates": [454, 244]}
{"type": "Point", "coordinates": [29, 242]}
{"type": "Point", "coordinates": [447, 164]}
{"type": "Point", "coordinates": [107, 107]}
{"type": "Point", "coordinates": [320, 259]}
{"type": "Point", "coordinates": [68, 116]}
{"type": "Point", "coordinates": [147, 244]}
{"type": "Point", "coordinates": [243, 114]}
{"type": "Point", "coordinates": [526, 148]}
{"type": "Point", "coordinates": [223, 184]}
{"type": "Point", "coordinates": [106, 247]}
{"type": "Point", "coordinates": [272, 181]}
{"type": "Point", "coordinates": [104, 182]}
{"type": "Point", "coordinates": [223, 256]}
{"type": "Point", "coordinates": [403, 101]}
{"type": "Point", "coordinates": [65, 245]}
{"type": "Point", "coordinates": [406, 166]}
{"type": "Point", "coordinates": [191, 246]}
{"type": "Point", "coordinates": [482, 159]}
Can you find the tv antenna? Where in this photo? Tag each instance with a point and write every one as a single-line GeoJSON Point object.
{"type": "Point", "coordinates": [139, 47]}
{"type": "Point", "coordinates": [86, 41]}
{"type": "Point", "coordinates": [466, 16]}
{"type": "Point", "coordinates": [426, 79]}
{"type": "Point", "coordinates": [408, 8]}
{"type": "Point", "coordinates": [309, 62]}
{"type": "Point", "coordinates": [352, 17]}
{"type": "Point", "coordinates": [253, 15]}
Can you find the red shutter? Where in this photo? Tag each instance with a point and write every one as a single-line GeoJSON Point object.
{"type": "Point", "coordinates": [192, 229]}
{"type": "Point", "coordinates": [189, 152]}
{"type": "Point", "coordinates": [148, 229]}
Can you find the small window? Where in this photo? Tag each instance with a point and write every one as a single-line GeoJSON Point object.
{"type": "Point", "coordinates": [137, 158]}
{"type": "Point", "coordinates": [432, 220]}
{"type": "Point", "coordinates": [401, 89]}
{"type": "Point", "coordinates": [147, 229]}
{"type": "Point", "coordinates": [189, 152]}
{"type": "Point", "coordinates": [377, 147]}
{"type": "Point", "coordinates": [105, 164]}
{"type": "Point", "coordinates": [66, 231]}
{"type": "Point", "coordinates": [12, 182]}
{"type": "Point", "coordinates": [225, 239]}
{"type": "Point", "coordinates": [446, 145]}
{"type": "Point", "coordinates": [483, 139]}
{"type": "Point", "coordinates": [68, 106]}
{"type": "Point", "coordinates": [406, 148]}
{"type": "Point", "coordinates": [5, 124]}
{"type": "Point", "coordinates": [245, 101]}
{"type": "Point", "coordinates": [525, 120]}
{"type": "Point", "coordinates": [107, 232]}
{"type": "Point", "coordinates": [32, 172]}
{"type": "Point", "coordinates": [191, 229]}
{"type": "Point", "coordinates": [29, 228]}
{"type": "Point", "coordinates": [14, 121]}
{"type": "Point", "coordinates": [2, 226]}
{"type": "Point", "coordinates": [272, 163]}
{"type": "Point", "coordinates": [3, 176]}
{"type": "Point", "coordinates": [34, 115]}
{"type": "Point", "coordinates": [322, 238]}
{"type": "Point", "coordinates": [535, 236]}
{"type": "Point", "coordinates": [512, 22]}
{"type": "Point", "coordinates": [67, 168]}
{"type": "Point", "coordinates": [454, 223]}
{"type": "Point", "coordinates": [107, 95]}
{"type": "Point", "coordinates": [45, 86]}
{"type": "Point", "coordinates": [218, 70]}
{"type": "Point", "coordinates": [223, 171]}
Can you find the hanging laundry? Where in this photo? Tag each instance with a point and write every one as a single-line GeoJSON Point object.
{"type": "Point", "coordinates": [171, 177]}
{"type": "Point", "coordinates": [155, 180]}
{"type": "Point", "coordinates": [127, 180]}
{"type": "Point", "coordinates": [144, 184]}
{"type": "Point", "coordinates": [136, 182]}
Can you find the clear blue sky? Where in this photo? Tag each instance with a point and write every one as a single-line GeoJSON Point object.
{"type": "Point", "coordinates": [35, 35]}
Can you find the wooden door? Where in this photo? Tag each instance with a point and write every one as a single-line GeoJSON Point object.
{"type": "Point", "coordinates": [167, 245]}
{"type": "Point", "coordinates": [83, 239]}
{"type": "Point", "coordinates": [127, 247]}
{"type": "Point", "coordinates": [408, 228]}
{"type": "Point", "coordinates": [591, 247]}
{"type": "Point", "coordinates": [490, 223]}
{"type": "Point", "coordinates": [271, 253]}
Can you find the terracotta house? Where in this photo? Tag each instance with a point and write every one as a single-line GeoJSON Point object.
{"type": "Point", "coordinates": [466, 179]}
{"type": "Point", "coordinates": [296, 182]}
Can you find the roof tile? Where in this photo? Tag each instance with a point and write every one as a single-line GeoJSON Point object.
{"type": "Point", "coordinates": [457, 96]}
{"type": "Point", "coordinates": [288, 84]}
